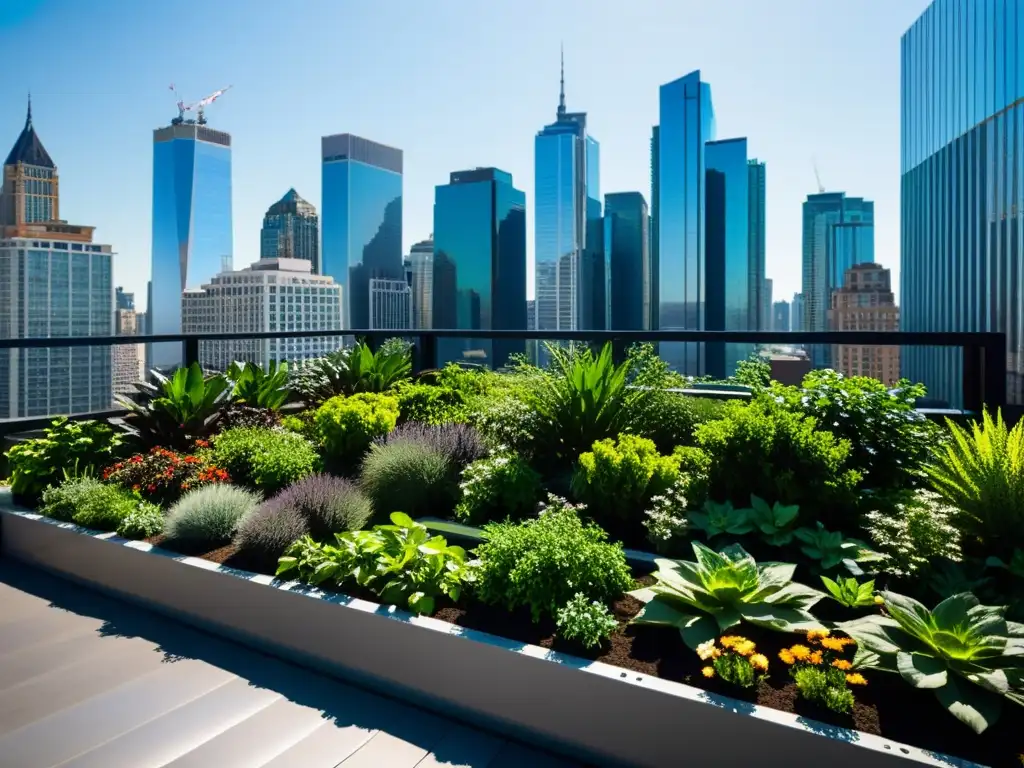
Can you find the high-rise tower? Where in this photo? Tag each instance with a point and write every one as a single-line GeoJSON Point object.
{"type": "Point", "coordinates": [291, 230]}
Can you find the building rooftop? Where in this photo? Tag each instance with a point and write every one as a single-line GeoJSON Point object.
{"type": "Point", "coordinates": [294, 203]}
{"type": "Point", "coordinates": [28, 149]}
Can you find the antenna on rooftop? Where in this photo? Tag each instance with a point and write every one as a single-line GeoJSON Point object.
{"type": "Point", "coordinates": [817, 176]}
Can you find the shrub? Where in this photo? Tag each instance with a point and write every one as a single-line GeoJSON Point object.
{"type": "Point", "coordinates": [162, 476]}
{"type": "Point", "coordinates": [302, 423]}
{"type": "Point", "coordinates": [670, 419]}
{"type": "Point", "coordinates": [87, 502]}
{"type": "Point", "coordinates": [268, 459]}
{"type": "Point", "coordinates": [347, 425]}
{"type": "Point", "coordinates": [764, 450]}
{"type": "Point", "coordinates": [889, 440]}
{"type": "Point", "coordinates": [617, 478]}
{"type": "Point", "coordinates": [499, 487]}
{"type": "Point", "coordinates": [428, 404]}
{"type": "Point", "coordinates": [352, 370]}
{"type": "Point", "coordinates": [981, 473]}
{"type": "Point", "coordinates": [236, 415]}
{"type": "Point", "coordinates": [410, 477]}
{"type": "Point", "coordinates": [460, 443]}
{"type": "Point", "coordinates": [65, 445]}
{"type": "Point", "coordinates": [588, 622]}
{"type": "Point", "coordinates": [264, 535]}
{"type": "Point", "coordinates": [144, 521]}
{"type": "Point", "coordinates": [694, 465]}
{"type": "Point", "coordinates": [507, 423]}
{"type": "Point", "coordinates": [208, 517]}
{"type": "Point", "coordinates": [542, 563]}
{"type": "Point", "coordinates": [328, 504]}
{"type": "Point", "coordinates": [913, 531]}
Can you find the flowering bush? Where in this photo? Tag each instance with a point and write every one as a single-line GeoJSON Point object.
{"type": "Point", "coordinates": [587, 621]}
{"type": "Point", "coordinates": [734, 659]}
{"type": "Point", "coordinates": [162, 476]}
{"type": "Point", "coordinates": [821, 673]}
{"type": "Point", "coordinates": [913, 532]}
{"type": "Point", "coordinates": [497, 488]}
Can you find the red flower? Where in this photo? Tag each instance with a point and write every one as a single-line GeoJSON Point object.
{"type": "Point", "coordinates": [151, 487]}
{"type": "Point", "coordinates": [136, 459]}
{"type": "Point", "coordinates": [202, 444]}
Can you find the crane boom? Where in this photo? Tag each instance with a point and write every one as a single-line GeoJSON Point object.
{"type": "Point", "coordinates": [817, 177]}
{"type": "Point", "coordinates": [198, 107]}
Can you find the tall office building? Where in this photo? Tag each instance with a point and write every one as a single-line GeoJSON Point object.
{"type": "Point", "coordinates": [54, 282]}
{"type": "Point", "coordinates": [362, 218]}
{"type": "Point", "coordinates": [123, 299]}
{"type": "Point", "coordinates": [653, 237]}
{"type": "Point", "coordinates": [838, 232]}
{"type": "Point", "coordinates": [291, 230]}
{"type": "Point", "coordinates": [126, 357]}
{"type": "Point", "coordinates": [568, 258]}
{"type": "Point", "coordinates": [269, 295]}
{"type": "Point", "coordinates": [796, 313]}
{"type": "Point", "coordinates": [780, 316]}
{"type": "Point", "coordinates": [727, 305]}
{"type": "Point", "coordinates": [962, 164]}
{"type": "Point", "coordinates": [865, 303]}
{"type": "Point", "coordinates": [192, 226]}
{"type": "Point", "coordinates": [768, 297]}
{"type": "Point", "coordinates": [627, 253]}
{"type": "Point", "coordinates": [390, 304]}
{"type": "Point", "coordinates": [421, 283]}
{"type": "Point", "coordinates": [479, 263]}
{"type": "Point", "coordinates": [756, 179]}
{"type": "Point", "coordinates": [686, 122]}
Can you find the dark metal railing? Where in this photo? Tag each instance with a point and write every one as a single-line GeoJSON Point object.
{"type": "Point", "coordinates": [983, 364]}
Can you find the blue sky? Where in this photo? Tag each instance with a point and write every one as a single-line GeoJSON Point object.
{"type": "Point", "coordinates": [455, 84]}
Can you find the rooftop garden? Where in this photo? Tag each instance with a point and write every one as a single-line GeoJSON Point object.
{"type": "Point", "coordinates": [823, 550]}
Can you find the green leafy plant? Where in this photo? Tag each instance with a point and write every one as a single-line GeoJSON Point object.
{"type": "Point", "coordinates": [754, 372]}
{"type": "Point", "coordinates": [822, 675]}
{"type": "Point", "coordinates": [350, 371]}
{"type": "Point", "coordinates": [266, 459]}
{"type": "Point", "coordinates": [542, 563]}
{"type": "Point", "coordinates": [302, 423]}
{"type": "Point", "coordinates": [775, 523]}
{"type": "Point", "coordinates": [408, 475]}
{"type": "Point", "coordinates": [144, 521]}
{"type": "Point", "coordinates": [949, 578]}
{"type": "Point", "coordinates": [39, 462]}
{"type": "Point", "coordinates": [830, 549]}
{"type": "Point", "coordinates": [913, 530]}
{"type": "Point", "coordinates": [981, 473]}
{"type": "Point", "coordinates": [208, 517]}
{"type": "Point", "coordinates": [498, 487]}
{"type": "Point", "coordinates": [733, 659]}
{"type": "Point", "coordinates": [849, 592]}
{"type": "Point", "coordinates": [259, 388]}
{"type": "Point", "coordinates": [825, 686]}
{"type": "Point", "coordinates": [88, 502]}
{"type": "Point", "coordinates": [588, 622]}
{"type": "Point", "coordinates": [617, 478]}
{"type": "Point", "coordinates": [721, 519]}
{"type": "Point", "coordinates": [1015, 566]}
{"type": "Point", "coordinates": [722, 589]}
{"type": "Point", "coordinates": [430, 404]}
{"type": "Point", "coordinates": [347, 425]}
{"type": "Point", "coordinates": [766, 450]}
{"type": "Point", "coordinates": [967, 653]}
{"type": "Point", "coordinates": [176, 410]}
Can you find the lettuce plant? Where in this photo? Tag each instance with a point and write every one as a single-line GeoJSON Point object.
{"type": "Point", "coordinates": [776, 523]}
{"type": "Point", "coordinates": [831, 549]}
{"type": "Point", "coordinates": [966, 652]}
{"type": "Point", "coordinates": [721, 589]}
{"type": "Point", "coordinates": [717, 519]}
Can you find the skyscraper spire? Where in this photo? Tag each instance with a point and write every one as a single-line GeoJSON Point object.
{"type": "Point", "coordinates": [561, 90]}
{"type": "Point", "coordinates": [28, 118]}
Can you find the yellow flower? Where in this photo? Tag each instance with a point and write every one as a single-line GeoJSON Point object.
{"type": "Point", "coordinates": [708, 650]}
{"type": "Point", "coordinates": [835, 643]}
{"type": "Point", "coordinates": [745, 647]}
{"type": "Point", "coordinates": [787, 656]}
{"type": "Point", "coordinates": [815, 658]}
{"type": "Point", "coordinates": [878, 600]}
{"type": "Point", "coordinates": [817, 634]}
{"type": "Point", "coordinates": [842, 664]}
{"type": "Point", "coordinates": [759, 662]}
{"type": "Point", "coordinates": [708, 671]}
{"type": "Point", "coordinates": [800, 652]}
{"type": "Point", "coordinates": [728, 641]}
{"type": "Point", "coordinates": [856, 678]}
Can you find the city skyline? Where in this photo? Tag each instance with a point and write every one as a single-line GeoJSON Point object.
{"type": "Point", "coordinates": [437, 124]}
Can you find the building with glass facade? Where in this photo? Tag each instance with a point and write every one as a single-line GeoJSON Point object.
{"type": "Point", "coordinates": [756, 242]}
{"type": "Point", "coordinates": [390, 304]}
{"type": "Point", "coordinates": [421, 283]}
{"type": "Point", "coordinates": [962, 185]}
{"type": "Point", "coordinates": [568, 257]}
{"type": "Point", "coordinates": [361, 218]}
{"type": "Point", "coordinates": [627, 253]}
{"type": "Point", "coordinates": [123, 299]}
{"type": "Point", "coordinates": [192, 225]}
{"type": "Point", "coordinates": [780, 316]}
{"type": "Point", "coordinates": [838, 232]}
{"type": "Point", "coordinates": [796, 313]}
{"type": "Point", "coordinates": [727, 294]}
{"type": "Point", "coordinates": [291, 230]}
{"type": "Point", "coordinates": [686, 123]}
{"type": "Point", "coordinates": [479, 263]}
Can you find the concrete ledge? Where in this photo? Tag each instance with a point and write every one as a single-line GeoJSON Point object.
{"type": "Point", "coordinates": [586, 710]}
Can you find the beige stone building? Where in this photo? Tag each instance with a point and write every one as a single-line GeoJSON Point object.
{"type": "Point", "coordinates": [865, 303]}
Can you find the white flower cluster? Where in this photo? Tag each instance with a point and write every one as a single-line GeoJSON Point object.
{"type": "Point", "coordinates": [666, 519]}
{"type": "Point", "coordinates": [914, 532]}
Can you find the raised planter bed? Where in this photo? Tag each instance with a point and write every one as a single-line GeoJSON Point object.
{"type": "Point", "coordinates": [586, 710]}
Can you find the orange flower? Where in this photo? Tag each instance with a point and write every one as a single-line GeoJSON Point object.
{"type": "Point", "coordinates": [856, 679]}
{"type": "Point", "coordinates": [836, 643]}
{"type": "Point", "coordinates": [136, 487]}
{"type": "Point", "coordinates": [815, 658]}
{"type": "Point", "coordinates": [759, 662]}
{"type": "Point", "coordinates": [800, 652]}
{"type": "Point", "coordinates": [815, 635]}
{"type": "Point", "coordinates": [842, 664]}
{"type": "Point", "coordinates": [787, 656]}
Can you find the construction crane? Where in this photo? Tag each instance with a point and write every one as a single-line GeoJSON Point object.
{"type": "Point", "coordinates": [197, 107]}
{"type": "Point", "coordinates": [817, 176]}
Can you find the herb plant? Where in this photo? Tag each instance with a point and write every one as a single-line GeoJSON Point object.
{"type": "Point", "coordinates": [849, 592]}
{"type": "Point", "coordinates": [722, 589]}
{"type": "Point", "coordinates": [347, 425]}
{"type": "Point", "coordinates": [266, 459]}
{"type": "Point", "coordinates": [497, 488]}
{"type": "Point", "coordinates": [88, 502]}
{"type": "Point", "coordinates": [967, 653]}
{"type": "Point", "coordinates": [430, 404]}
{"type": "Point", "coordinates": [208, 517]}
{"type": "Point", "coordinates": [588, 622]}
{"type": "Point", "coordinates": [408, 475]}
{"type": "Point", "coordinates": [144, 521]}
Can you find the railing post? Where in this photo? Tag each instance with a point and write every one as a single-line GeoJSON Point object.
{"type": "Point", "coordinates": [426, 352]}
{"type": "Point", "coordinates": [190, 351]}
{"type": "Point", "coordinates": [994, 383]}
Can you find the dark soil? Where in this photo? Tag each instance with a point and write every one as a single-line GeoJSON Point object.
{"type": "Point", "coordinates": [886, 707]}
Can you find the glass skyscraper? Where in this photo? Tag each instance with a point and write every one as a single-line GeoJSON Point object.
{"type": "Point", "coordinates": [479, 263]}
{"type": "Point", "coordinates": [838, 232]}
{"type": "Point", "coordinates": [568, 258]}
{"type": "Point", "coordinates": [291, 230]}
{"type": "Point", "coordinates": [421, 283]}
{"type": "Point", "coordinates": [962, 185]}
{"type": "Point", "coordinates": [192, 235]}
{"type": "Point", "coordinates": [686, 122]}
{"type": "Point", "coordinates": [757, 274]}
{"type": "Point", "coordinates": [627, 253]}
{"type": "Point", "coordinates": [361, 220]}
{"type": "Point", "coordinates": [727, 291]}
